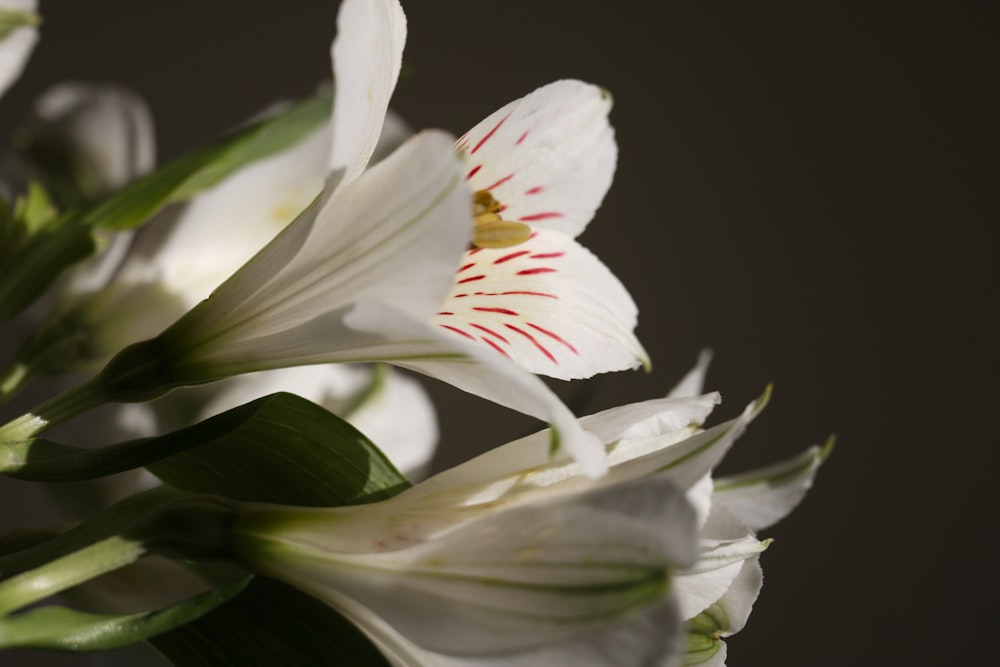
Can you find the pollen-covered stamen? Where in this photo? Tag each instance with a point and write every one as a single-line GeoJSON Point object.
{"type": "Point", "coordinates": [492, 231]}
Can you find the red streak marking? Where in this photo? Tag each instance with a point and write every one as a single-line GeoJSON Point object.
{"type": "Point", "coordinates": [473, 171]}
{"type": "Point", "coordinates": [526, 293]}
{"type": "Point", "coordinates": [488, 135]}
{"type": "Point", "coordinates": [533, 235]}
{"type": "Point", "coordinates": [521, 138]}
{"type": "Point", "coordinates": [507, 258]}
{"type": "Point", "coordinates": [534, 191]}
{"type": "Point", "coordinates": [502, 311]}
{"type": "Point", "coordinates": [489, 331]}
{"type": "Point", "coordinates": [445, 312]}
{"type": "Point", "coordinates": [459, 296]}
{"type": "Point", "coordinates": [540, 347]}
{"type": "Point", "coordinates": [495, 347]}
{"type": "Point", "coordinates": [467, 266]}
{"type": "Point", "coordinates": [541, 216]}
{"type": "Point", "coordinates": [470, 279]}
{"type": "Point", "coordinates": [547, 255]}
{"type": "Point", "coordinates": [500, 182]}
{"type": "Point", "coordinates": [474, 251]}
{"type": "Point", "coordinates": [531, 272]}
{"type": "Point", "coordinates": [554, 337]}
{"type": "Point", "coordinates": [458, 331]}
{"type": "Point", "coordinates": [503, 207]}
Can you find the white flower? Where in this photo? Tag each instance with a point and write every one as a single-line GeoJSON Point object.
{"type": "Point", "coordinates": [513, 587]}
{"type": "Point", "coordinates": [544, 161]}
{"type": "Point", "coordinates": [18, 34]}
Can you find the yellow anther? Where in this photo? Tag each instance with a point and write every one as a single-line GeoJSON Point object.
{"type": "Point", "coordinates": [492, 231]}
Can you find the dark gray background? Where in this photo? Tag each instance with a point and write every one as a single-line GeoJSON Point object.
{"type": "Point", "coordinates": [804, 189]}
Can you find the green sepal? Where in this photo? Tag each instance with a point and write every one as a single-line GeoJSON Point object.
{"type": "Point", "coordinates": [704, 635]}
{"type": "Point", "coordinates": [55, 247]}
{"type": "Point", "coordinates": [270, 623]}
{"type": "Point", "coordinates": [60, 628]}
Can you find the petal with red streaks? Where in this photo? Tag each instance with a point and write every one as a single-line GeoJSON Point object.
{"type": "Point", "coordinates": [547, 158]}
{"type": "Point", "coordinates": [548, 304]}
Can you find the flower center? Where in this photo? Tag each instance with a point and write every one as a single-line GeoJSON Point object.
{"type": "Point", "coordinates": [492, 231]}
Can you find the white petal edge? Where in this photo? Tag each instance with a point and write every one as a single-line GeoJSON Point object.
{"type": "Point", "coordinates": [693, 382]}
{"type": "Point", "coordinates": [719, 563]}
{"type": "Point", "coordinates": [367, 55]}
{"type": "Point", "coordinates": [762, 497]}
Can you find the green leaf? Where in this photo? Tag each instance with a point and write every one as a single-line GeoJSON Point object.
{"type": "Point", "coordinates": [72, 238]}
{"type": "Point", "coordinates": [280, 448]}
{"type": "Point", "coordinates": [270, 623]}
{"type": "Point", "coordinates": [704, 633]}
{"type": "Point", "coordinates": [66, 629]}
{"type": "Point", "coordinates": [293, 452]}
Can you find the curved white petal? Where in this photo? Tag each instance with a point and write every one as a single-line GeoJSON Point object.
{"type": "Point", "coordinates": [219, 230]}
{"type": "Point", "coordinates": [762, 497]}
{"type": "Point", "coordinates": [393, 235]}
{"type": "Point", "coordinates": [739, 599]}
{"type": "Point", "coordinates": [718, 565]}
{"type": "Point", "coordinates": [547, 158]}
{"type": "Point", "coordinates": [426, 349]}
{"type": "Point", "coordinates": [548, 304]}
{"type": "Point", "coordinates": [391, 409]}
{"type": "Point", "coordinates": [512, 581]}
{"type": "Point", "coordinates": [109, 131]}
{"type": "Point", "coordinates": [649, 638]}
{"type": "Point", "coordinates": [693, 382]}
{"type": "Point", "coordinates": [16, 45]}
{"type": "Point", "coordinates": [367, 54]}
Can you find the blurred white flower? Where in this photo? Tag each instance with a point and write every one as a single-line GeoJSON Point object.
{"type": "Point", "coordinates": [18, 34]}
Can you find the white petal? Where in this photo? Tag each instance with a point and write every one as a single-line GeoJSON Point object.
{"type": "Point", "coordinates": [516, 579]}
{"type": "Point", "coordinates": [109, 130]}
{"type": "Point", "coordinates": [700, 497]}
{"type": "Point", "coordinates": [651, 637]}
{"type": "Point", "coordinates": [218, 231]}
{"type": "Point", "coordinates": [762, 497]}
{"type": "Point", "coordinates": [739, 599]}
{"type": "Point", "coordinates": [17, 45]}
{"type": "Point", "coordinates": [426, 349]}
{"type": "Point", "coordinates": [548, 304]}
{"type": "Point", "coordinates": [547, 158]}
{"type": "Point", "coordinates": [693, 383]}
{"type": "Point", "coordinates": [391, 409]}
{"type": "Point", "coordinates": [393, 235]}
{"type": "Point", "coordinates": [718, 566]}
{"type": "Point", "coordinates": [367, 55]}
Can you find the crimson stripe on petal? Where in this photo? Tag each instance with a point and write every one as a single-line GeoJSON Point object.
{"type": "Point", "coordinates": [502, 311]}
{"type": "Point", "coordinates": [534, 191]}
{"type": "Point", "coordinates": [500, 182]}
{"type": "Point", "coordinates": [488, 135]}
{"type": "Point", "coordinates": [508, 257]}
{"type": "Point", "coordinates": [554, 336]}
{"type": "Point", "coordinates": [531, 272]}
{"type": "Point", "coordinates": [495, 347]}
{"type": "Point", "coordinates": [547, 255]}
{"type": "Point", "coordinates": [473, 171]}
{"type": "Point", "coordinates": [458, 331]}
{"type": "Point", "coordinates": [489, 331]}
{"type": "Point", "coordinates": [470, 279]}
{"type": "Point", "coordinates": [541, 216]}
{"type": "Point", "coordinates": [540, 347]}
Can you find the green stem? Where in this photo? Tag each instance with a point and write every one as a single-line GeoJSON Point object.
{"type": "Point", "coordinates": [82, 397]}
{"type": "Point", "coordinates": [58, 575]}
{"type": "Point", "coordinates": [12, 378]}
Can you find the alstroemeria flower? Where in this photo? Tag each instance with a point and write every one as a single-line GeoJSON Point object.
{"type": "Point", "coordinates": [512, 587]}
{"type": "Point", "coordinates": [544, 162]}
{"type": "Point", "coordinates": [18, 34]}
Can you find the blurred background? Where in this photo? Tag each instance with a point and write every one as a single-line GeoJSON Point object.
{"type": "Point", "coordinates": [804, 188]}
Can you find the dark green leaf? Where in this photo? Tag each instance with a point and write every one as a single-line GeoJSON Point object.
{"type": "Point", "coordinates": [292, 452]}
{"type": "Point", "coordinates": [269, 624]}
